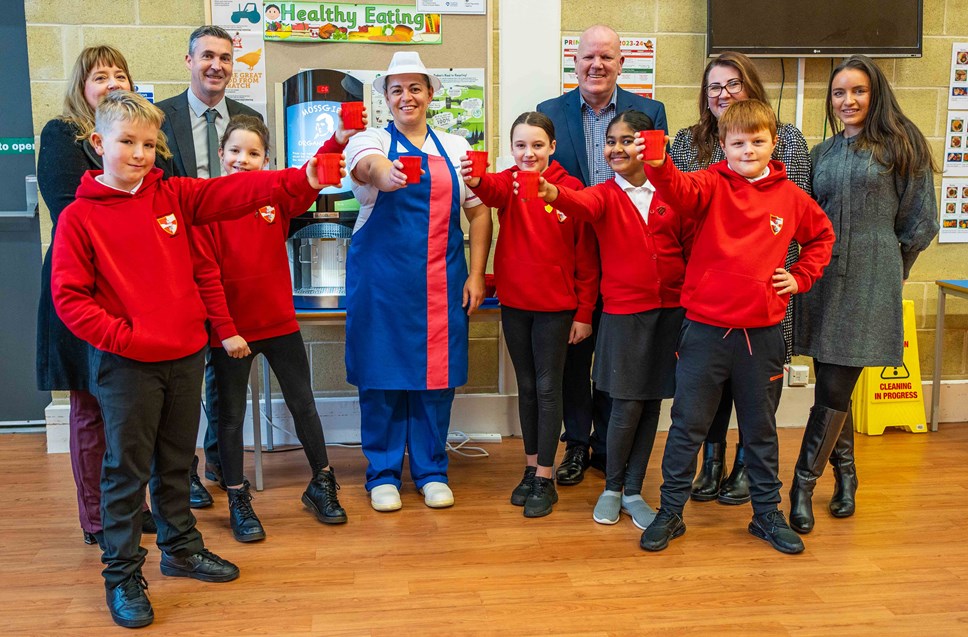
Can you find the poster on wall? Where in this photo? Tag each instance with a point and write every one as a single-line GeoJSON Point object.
{"type": "Point", "coordinates": [237, 16]}
{"type": "Point", "coordinates": [638, 71]}
{"type": "Point", "coordinates": [458, 108]}
{"type": "Point", "coordinates": [248, 83]}
{"type": "Point", "coordinates": [354, 23]}
{"type": "Point", "coordinates": [954, 211]}
{"type": "Point", "coordinates": [460, 7]}
{"type": "Point", "coordinates": [958, 86]}
{"type": "Point", "coordinates": [956, 145]}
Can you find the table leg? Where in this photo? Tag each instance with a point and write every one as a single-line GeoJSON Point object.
{"type": "Point", "coordinates": [938, 352]}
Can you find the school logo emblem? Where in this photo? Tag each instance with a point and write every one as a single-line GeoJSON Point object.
{"type": "Point", "coordinates": [168, 223]}
{"type": "Point", "coordinates": [776, 224]}
{"type": "Point", "coordinates": [268, 213]}
{"type": "Point", "coordinates": [561, 216]}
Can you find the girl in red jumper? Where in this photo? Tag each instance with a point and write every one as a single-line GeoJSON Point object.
{"type": "Point", "coordinates": [243, 275]}
{"type": "Point", "coordinates": [644, 245]}
{"type": "Point", "coordinates": [546, 271]}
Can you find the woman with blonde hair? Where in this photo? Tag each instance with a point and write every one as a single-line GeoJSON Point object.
{"type": "Point", "coordinates": [62, 358]}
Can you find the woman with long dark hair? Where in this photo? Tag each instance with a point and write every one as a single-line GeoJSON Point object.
{"type": "Point", "coordinates": [874, 179]}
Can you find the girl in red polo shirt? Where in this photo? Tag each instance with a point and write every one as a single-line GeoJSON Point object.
{"type": "Point", "coordinates": [644, 245]}
{"type": "Point", "coordinates": [242, 271]}
{"type": "Point", "coordinates": [546, 272]}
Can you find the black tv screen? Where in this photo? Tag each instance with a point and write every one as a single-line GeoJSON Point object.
{"type": "Point", "coordinates": [814, 28]}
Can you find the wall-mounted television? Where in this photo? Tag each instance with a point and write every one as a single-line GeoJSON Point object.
{"type": "Point", "coordinates": [814, 28]}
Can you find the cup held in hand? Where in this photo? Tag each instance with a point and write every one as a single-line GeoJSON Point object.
{"type": "Point", "coordinates": [352, 115]}
{"type": "Point", "coordinates": [327, 168]}
{"type": "Point", "coordinates": [478, 162]}
{"type": "Point", "coordinates": [411, 167]}
{"type": "Point", "coordinates": [654, 144]}
{"type": "Point", "coordinates": [527, 184]}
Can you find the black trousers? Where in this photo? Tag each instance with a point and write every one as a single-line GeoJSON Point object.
{"type": "Point", "coordinates": [631, 435]}
{"type": "Point", "coordinates": [151, 415]}
{"type": "Point", "coordinates": [287, 358]}
{"type": "Point", "coordinates": [210, 443]}
{"type": "Point", "coordinates": [537, 343]}
{"type": "Point", "coordinates": [709, 356]}
{"type": "Point", "coordinates": [583, 404]}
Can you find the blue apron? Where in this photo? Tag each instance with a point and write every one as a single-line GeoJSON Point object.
{"type": "Point", "coordinates": [405, 275]}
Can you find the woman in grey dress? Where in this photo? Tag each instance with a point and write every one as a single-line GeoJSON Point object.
{"type": "Point", "coordinates": [728, 79]}
{"type": "Point", "coordinates": [874, 179]}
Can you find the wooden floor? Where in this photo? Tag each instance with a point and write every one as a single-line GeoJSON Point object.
{"type": "Point", "coordinates": [900, 566]}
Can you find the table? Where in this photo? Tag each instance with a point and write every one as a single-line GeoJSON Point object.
{"type": "Point", "coordinates": [955, 287]}
{"type": "Point", "coordinates": [489, 312]}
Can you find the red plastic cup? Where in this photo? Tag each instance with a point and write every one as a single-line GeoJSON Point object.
{"type": "Point", "coordinates": [327, 168]}
{"type": "Point", "coordinates": [654, 144]}
{"type": "Point", "coordinates": [478, 162]}
{"type": "Point", "coordinates": [411, 167]}
{"type": "Point", "coordinates": [352, 115]}
{"type": "Point", "coordinates": [527, 184]}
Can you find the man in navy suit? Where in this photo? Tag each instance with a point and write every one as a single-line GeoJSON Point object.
{"type": "Point", "coordinates": [580, 117]}
{"type": "Point", "coordinates": [194, 122]}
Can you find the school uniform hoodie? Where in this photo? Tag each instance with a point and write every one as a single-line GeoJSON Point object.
{"type": "Point", "coordinates": [122, 267]}
{"type": "Point", "coordinates": [643, 264]}
{"type": "Point", "coordinates": [242, 268]}
{"type": "Point", "coordinates": [544, 261]}
{"type": "Point", "coordinates": [743, 231]}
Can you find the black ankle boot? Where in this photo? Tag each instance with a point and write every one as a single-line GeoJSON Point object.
{"type": "Point", "coordinates": [320, 497]}
{"type": "Point", "coordinates": [842, 504]}
{"type": "Point", "coordinates": [736, 488]}
{"type": "Point", "coordinates": [707, 484]}
{"type": "Point", "coordinates": [823, 428]}
{"type": "Point", "coordinates": [246, 526]}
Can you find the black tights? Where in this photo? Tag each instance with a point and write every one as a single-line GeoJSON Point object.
{"type": "Point", "coordinates": [537, 343]}
{"type": "Point", "coordinates": [631, 435]}
{"type": "Point", "coordinates": [835, 384]}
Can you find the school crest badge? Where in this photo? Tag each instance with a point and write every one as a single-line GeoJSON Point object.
{"type": "Point", "coordinates": [268, 213]}
{"type": "Point", "coordinates": [561, 216]}
{"type": "Point", "coordinates": [168, 223]}
{"type": "Point", "coordinates": [776, 224]}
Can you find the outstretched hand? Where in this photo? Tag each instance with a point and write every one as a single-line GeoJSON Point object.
{"type": "Point", "coordinates": [640, 152]}
{"type": "Point", "coordinates": [465, 172]}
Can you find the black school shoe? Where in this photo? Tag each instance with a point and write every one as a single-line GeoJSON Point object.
{"type": "Point", "coordinates": [204, 566]}
{"type": "Point", "coordinates": [320, 498]}
{"type": "Point", "coordinates": [128, 603]}
{"type": "Point", "coordinates": [543, 495]}
{"type": "Point", "coordinates": [245, 524]}
{"type": "Point", "coordinates": [198, 495]}
{"type": "Point", "coordinates": [571, 471]}
{"type": "Point", "coordinates": [666, 526]}
{"type": "Point", "coordinates": [521, 492]}
{"type": "Point", "coordinates": [773, 528]}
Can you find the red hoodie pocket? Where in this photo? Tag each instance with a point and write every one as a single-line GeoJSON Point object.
{"type": "Point", "coordinates": [171, 330]}
{"type": "Point", "coordinates": [535, 286]}
{"type": "Point", "coordinates": [736, 300]}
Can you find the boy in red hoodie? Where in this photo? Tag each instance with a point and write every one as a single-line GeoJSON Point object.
{"type": "Point", "coordinates": [122, 280]}
{"type": "Point", "coordinates": [735, 294]}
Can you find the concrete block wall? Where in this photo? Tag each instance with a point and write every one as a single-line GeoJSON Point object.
{"type": "Point", "coordinates": [153, 36]}
{"type": "Point", "coordinates": [920, 83]}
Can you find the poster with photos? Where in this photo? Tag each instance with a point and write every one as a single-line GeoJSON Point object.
{"type": "Point", "coordinates": [956, 145]}
{"type": "Point", "coordinates": [958, 89]}
{"type": "Point", "coordinates": [954, 211]}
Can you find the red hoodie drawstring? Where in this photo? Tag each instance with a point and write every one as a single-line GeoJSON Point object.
{"type": "Point", "coordinates": [746, 334]}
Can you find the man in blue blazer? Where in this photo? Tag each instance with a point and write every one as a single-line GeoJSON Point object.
{"type": "Point", "coordinates": [580, 117]}
{"type": "Point", "coordinates": [210, 59]}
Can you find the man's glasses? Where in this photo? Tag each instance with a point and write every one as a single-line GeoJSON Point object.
{"type": "Point", "coordinates": [732, 87]}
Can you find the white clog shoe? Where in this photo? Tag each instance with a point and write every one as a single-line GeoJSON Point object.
{"type": "Point", "coordinates": [437, 495]}
{"type": "Point", "coordinates": [385, 497]}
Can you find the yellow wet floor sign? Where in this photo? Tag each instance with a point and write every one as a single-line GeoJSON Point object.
{"type": "Point", "coordinates": [892, 396]}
